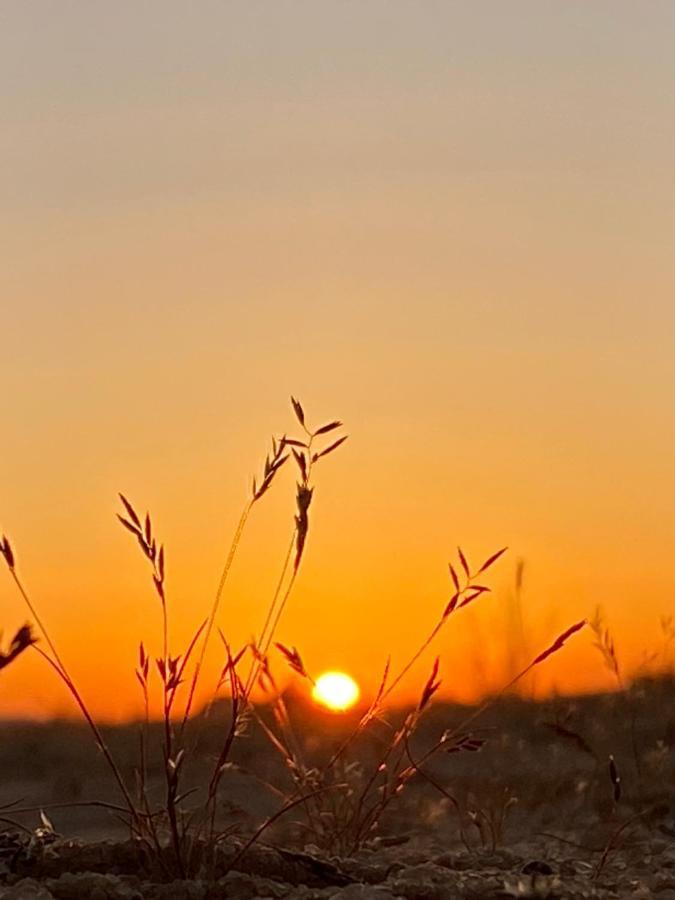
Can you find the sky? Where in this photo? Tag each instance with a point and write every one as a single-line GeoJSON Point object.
{"type": "Point", "coordinates": [448, 224]}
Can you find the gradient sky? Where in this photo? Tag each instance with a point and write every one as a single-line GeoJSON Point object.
{"type": "Point", "coordinates": [449, 224]}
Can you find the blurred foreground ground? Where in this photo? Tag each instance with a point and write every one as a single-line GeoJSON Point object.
{"type": "Point", "coordinates": [538, 792]}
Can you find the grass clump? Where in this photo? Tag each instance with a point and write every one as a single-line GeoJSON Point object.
{"type": "Point", "coordinates": [178, 835]}
{"type": "Point", "coordinates": [340, 799]}
{"type": "Point", "coordinates": [344, 798]}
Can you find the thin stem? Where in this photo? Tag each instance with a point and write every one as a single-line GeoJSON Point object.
{"type": "Point", "coordinates": [401, 675]}
{"type": "Point", "coordinates": [171, 786]}
{"type": "Point", "coordinates": [59, 667]}
{"type": "Point", "coordinates": [439, 787]}
{"type": "Point", "coordinates": [273, 617]}
{"type": "Point", "coordinates": [479, 711]}
{"type": "Point", "coordinates": [255, 663]}
{"type": "Point", "coordinates": [215, 606]}
{"type": "Point", "coordinates": [16, 825]}
{"type": "Point", "coordinates": [264, 651]}
{"type": "Point", "coordinates": [38, 620]}
{"type": "Point", "coordinates": [280, 611]}
{"type": "Point", "coordinates": [165, 633]}
{"type": "Point", "coordinates": [113, 807]}
{"type": "Point", "coordinates": [613, 840]}
{"type": "Point", "coordinates": [142, 734]}
{"type": "Point", "coordinates": [411, 662]}
{"type": "Point", "coordinates": [277, 591]}
{"type": "Point", "coordinates": [271, 820]}
{"type": "Point", "coordinates": [98, 737]}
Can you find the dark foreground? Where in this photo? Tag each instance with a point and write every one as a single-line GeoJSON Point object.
{"type": "Point", "coordinates": [420, 869]}
{"type": "Point", "coordinates": [535, 813]}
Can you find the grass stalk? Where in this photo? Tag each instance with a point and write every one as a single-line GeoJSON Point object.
{"type": "Point", "coordinates": [234, 546]}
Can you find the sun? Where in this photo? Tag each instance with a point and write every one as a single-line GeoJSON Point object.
{"type": "Point", "coordinates": [336, 690]}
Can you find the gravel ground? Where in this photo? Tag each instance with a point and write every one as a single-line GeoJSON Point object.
{"type": "Point", "coordinates": [415, 869]}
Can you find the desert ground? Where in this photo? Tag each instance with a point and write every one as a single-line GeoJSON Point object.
{"type": "Point", "coordinates": [571, 797]}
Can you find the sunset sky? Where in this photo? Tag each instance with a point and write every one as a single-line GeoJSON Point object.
{"type": "Point", "coordinates": [449, 224]}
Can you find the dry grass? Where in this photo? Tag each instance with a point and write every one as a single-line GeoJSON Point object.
{"type": "Point", "coordinates": [348, 799]}
{"type": "Point", "coordinates": [22, 640]}
{"type": "Point", "coordinates": [184, 822]}
{"type": "Point", "coordinates": [341, 800]}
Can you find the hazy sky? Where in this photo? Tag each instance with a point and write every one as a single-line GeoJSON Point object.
{"type": "Point", "coordinates": [449, 224]}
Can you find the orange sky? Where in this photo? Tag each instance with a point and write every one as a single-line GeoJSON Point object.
{"type": "Point", "coordinates": [448, 224]}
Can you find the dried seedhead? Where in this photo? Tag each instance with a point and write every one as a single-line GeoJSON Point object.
{"type": "Point", "coordinates": [147, 543]}
{"type": "Point", "coordinates": [558, 643]}
{"type": "Point", "coordinates": [143, 670]}
{"type": "Point", "coordinates": [306, 456]}
{"type": "Point", "coordinates": [273, 462]}
{"type": "Point", "coordinates": [430, 688]}
{"type": "Point", "coordinates": [7, 552]}
{"type": "Point", "coordinates": [465, 589]}
{"type": "Point", "coordinates": [464, 743]}
{"type": "Point", "coordinates": [604, 643]}
{"type": "Point", "coordinates": [293, 659]}
{"type": "Point", "coordinates": [23, 639]}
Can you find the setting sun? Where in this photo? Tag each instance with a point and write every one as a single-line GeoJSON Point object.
{"type": "Point", "coordinates": [336, 690]}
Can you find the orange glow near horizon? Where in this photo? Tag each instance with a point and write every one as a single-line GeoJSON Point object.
{"type": "Point", "coordinates": [449, 229]}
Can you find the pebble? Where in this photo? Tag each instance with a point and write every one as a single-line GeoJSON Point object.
{"type": "Point", "coordinates": [26, 889]}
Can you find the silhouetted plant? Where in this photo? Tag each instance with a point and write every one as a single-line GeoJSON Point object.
{"type": "Point", "coordinates": [192, 831]}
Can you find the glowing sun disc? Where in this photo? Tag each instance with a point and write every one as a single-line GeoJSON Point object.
{"type": "Point", "coordinates": [336, 690]}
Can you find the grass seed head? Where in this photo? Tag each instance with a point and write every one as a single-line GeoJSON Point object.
{"type": "Point", "coordinates": [23, 639]}
{"type": "Point", "coordinates": [430, 688]}
{"type": "Point", "coordinates": [7, 552]}
{"type": "Point", "coordinates": [559, 642]}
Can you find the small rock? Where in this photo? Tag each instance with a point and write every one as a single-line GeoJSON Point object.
{"type": "Point", "coordinates": [363, 892]}
{"type": "Point", "coordinates": [424, 882]}
{"type": "Point", "coordinates": [94, 886]}
{"type": "Point", "coordinates": [459, 861]}
{"type": "Point", "coordinates": [247, 887]}
{"type": "Point", "coordinates": [26, 889]}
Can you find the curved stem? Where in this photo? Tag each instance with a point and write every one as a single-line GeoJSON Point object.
{"type": "Point", "coordinates": [60, 668]}
{"type": "Point", "coordinates": [98, 737]}
{"type": "Point", "coordinates": [271, 820]}
{"type": "Point", "coordinates": [215, 606]}
{"type": "Point", "coordinates": [38, 620]}
{"type": "Point", "coordinates": [413, 659]}
{"type": "Point", "coordinates": [264, 636]}
{"type": "Point", "coordinates": [277, 592]}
